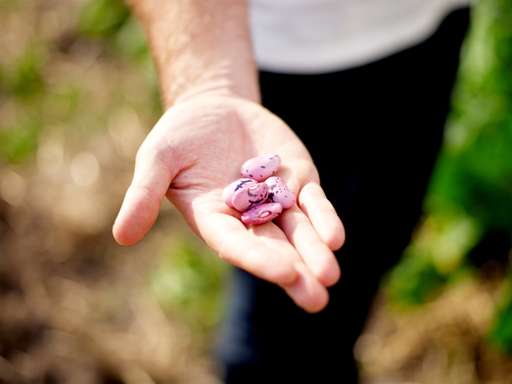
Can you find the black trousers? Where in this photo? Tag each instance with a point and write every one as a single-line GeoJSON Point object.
{"type": "Point", "coordinates": [374, 133]}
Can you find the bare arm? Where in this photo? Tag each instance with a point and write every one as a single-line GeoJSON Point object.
{"type": "Point", "coordinates": [200, 46]}
{"type": "Point", "coordinates": [214, 123]}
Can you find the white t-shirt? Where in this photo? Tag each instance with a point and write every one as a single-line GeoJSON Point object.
{"type": "Point", "coordinates": [312, 36]}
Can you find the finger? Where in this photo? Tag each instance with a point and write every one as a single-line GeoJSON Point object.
{"type": "Point", "coordinates": [267, 258]}
{"type": "Point", "coordinates": [314, 252]}
{"type": "Point", "coordinates": [323, 216]}
{"type": "Point", "coordinates": [265, 252]}
{"type": "Point", "coordinates": [307, 292]}
{"type": "Point", "coordinates": [141, 203]}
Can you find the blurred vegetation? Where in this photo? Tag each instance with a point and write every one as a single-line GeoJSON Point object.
{"type": "Point", "coordinates": [190, 278]}
{"type": "Point", "coordinates": [103, 18]}
{"type": "Point", "coordinates": [468, 223]}
{"type": "Point", "coordinates": [109, 27]}
{"type": "Point", "coordinates": [501, 332]}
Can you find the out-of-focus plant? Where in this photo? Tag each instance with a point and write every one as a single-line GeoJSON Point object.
{"type": "Point", "coordinates": [130, 41]}
{"type": "Point", "coordinates": [434, 258]}
{"type": "Point", "coordinates": [475, 172]}
{"type": "Point", "coordinates": [111, 23]}
{"type": "Point", "coordinates": [188, 280]}
{"type": "Point", "coordinates": [19, 142]}
{"type": "Point", "coordinates": [24, 77]}
{"type": "Point", "coordinates": [23, 81]}
{"type": "Point", "coordinates": [103, 18]}
{"type": "Point", "coordinates": [472, 184]}
{"type": "Point", "coordinates": [38, 101]}
{"type": "Point", "coordinates": [501, 330]}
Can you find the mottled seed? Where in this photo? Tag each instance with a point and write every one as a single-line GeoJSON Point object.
{"type": "Point", "coordinates": [278, 192]}
{"type": "Point", "coordinates": [261, 214]}
{"type": "Point", "coordinates": [259, 195]}
{"type": "Point", "coordinates": [261, 167]}
{"type": "Point", "coordinates": [227, 193]}
{"type": "Point", "coordinates": [248, 195]}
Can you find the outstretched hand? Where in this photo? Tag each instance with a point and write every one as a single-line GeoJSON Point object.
{"type": "Point", "coordinates": [194, 151]}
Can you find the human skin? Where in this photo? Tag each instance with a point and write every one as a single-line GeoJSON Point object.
{"type": "Point", "coordinates": [213, 123]}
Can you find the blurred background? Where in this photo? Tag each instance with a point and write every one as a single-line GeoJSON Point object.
{"type": "Point", "coordinates": [77, 95]}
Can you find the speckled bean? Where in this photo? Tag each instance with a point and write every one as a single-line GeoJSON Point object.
{"type": "Point", "coordinates": [278, 192]}
{"type": "Point", "coordinates": [261, 214]}
{"type": "Point", "coordinates": [248, 195]}
{"type": "Point", "coordinates": [227, 193]}
{"type": "Point", "coordinates": [261, 167]}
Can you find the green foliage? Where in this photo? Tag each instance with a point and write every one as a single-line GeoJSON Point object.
{"type": "Point", "coordinates": [433, 259]}
{"type": "Point", "coordinates": [474, 175]}
{"type": "Point", "coordinates": [102, 18]}
{"type": "Point", "coordinates": [414, 281]}
{"type": "Point", "coordinates": [130, 41]}
{"type": "Point", "coordinates": [500, 334]}
{"type": "Point", "coordinates": [17, 143]}
{"type": "Point", "coordinates": [110, 22]}
{"type": "Point", "coordinates": [23, 81]}
{"type": "Point", "coordinates": [24, 77]}
{"type": "Point", "coordinates": [189, 280]}
{"type": "Point", "coordinates": [475, 171]}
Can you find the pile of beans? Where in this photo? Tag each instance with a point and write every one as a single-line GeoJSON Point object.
{"type": "Point", "coordinates": [259, 195]}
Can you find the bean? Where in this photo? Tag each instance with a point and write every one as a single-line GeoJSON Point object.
{"type": "Point", "coordinates": [261, 214]}
{"type": "Point", "coordinates": [278, 192]}
{"type": "Point", "coordinates": [261, 167]}
{"type": "Point", "coordinates": [248, 195]}
{"type": "Point", "coordinates": [228, 192]}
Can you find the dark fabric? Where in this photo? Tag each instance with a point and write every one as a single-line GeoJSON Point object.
{"type": "Point", "coordinates": [374, 133]}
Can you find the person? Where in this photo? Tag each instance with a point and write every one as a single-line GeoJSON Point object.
{"type": "Point", "coordinates": [353, 96]}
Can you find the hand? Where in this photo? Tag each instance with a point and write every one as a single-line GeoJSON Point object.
{"type": "Point", "coordinates": [194, 151]}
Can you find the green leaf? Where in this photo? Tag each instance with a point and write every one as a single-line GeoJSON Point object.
{"type": "Point", "coordinates": [17, 143]}
{"type": "Point", "coordinates": [102, 18]}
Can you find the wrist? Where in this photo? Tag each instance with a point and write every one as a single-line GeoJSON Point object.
{"type": "Point", "coordinates": [218, 80]}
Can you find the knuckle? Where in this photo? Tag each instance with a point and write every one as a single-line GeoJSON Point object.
{"type": "Point", "coordinates": [154, 151]}
{"type": "Point", "coordinates": [142, 152]}
{"type": "Point", "coordinates": [305, 170]}
{"type": "Point", "coordinates": [314, 175]}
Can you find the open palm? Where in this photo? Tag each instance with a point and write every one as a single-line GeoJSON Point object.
{"type": "Point", "coordinates": [194, 151]}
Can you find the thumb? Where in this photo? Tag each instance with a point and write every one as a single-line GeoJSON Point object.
{"type": "Point", "coordinates": [154, 172]}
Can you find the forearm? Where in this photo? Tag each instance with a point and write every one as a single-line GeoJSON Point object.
{"type": "Point", "coordinates": [200, 46]}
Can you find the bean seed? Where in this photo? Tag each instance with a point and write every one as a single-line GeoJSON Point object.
{"type": "Point", "coordinates": [261, 214]}
{"type": "Point", "coordinates": [278, 192]}
{"type": "Point", "coordinates": [261, 167]}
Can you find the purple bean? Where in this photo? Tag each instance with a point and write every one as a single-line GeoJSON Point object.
{"type": "Point", "coordinates": [227, 193]}
{"type": "Point", "coordinates": [261, 214]}
{"type": "Point", "coordinates": [261, 167]}
{"type": "Point", "coordinates": [248, 195]}
{"type": "Point", "coordinates": [278, 192]}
